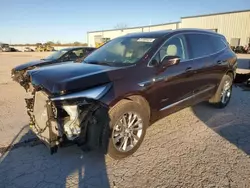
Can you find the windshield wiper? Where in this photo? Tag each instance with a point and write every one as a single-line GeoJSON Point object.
{"type": "Point", "coordinates": [97, 63]}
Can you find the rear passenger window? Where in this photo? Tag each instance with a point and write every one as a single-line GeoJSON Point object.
{"type": "Point", "coordinates": [218, 43]}
{"type": "Point", "coordinates": [200, 45]}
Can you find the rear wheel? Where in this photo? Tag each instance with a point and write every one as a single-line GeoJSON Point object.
{"type": "Point", "coordinates": [223, 93]}
{"type": "Point", "coordinates": [128, 121]}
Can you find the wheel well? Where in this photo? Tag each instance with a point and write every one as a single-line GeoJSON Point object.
{"type": "Point", "coordinates": [140, 100]}
{"type": "Point", "coordinates": [231, 74]}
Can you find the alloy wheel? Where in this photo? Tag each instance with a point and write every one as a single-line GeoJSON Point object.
{"type": "Point", "coordinates": [127, 132]}
{"type": "Point", "coordinates": [226, 92]}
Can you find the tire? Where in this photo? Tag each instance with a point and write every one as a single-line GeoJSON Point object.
{"type": "Point", "coordinates": [125, 109]}
{"type": "Point", "coordinates": [248, 82]}
{"type": "Point", "coordinates": [223, 93]}
{"type": "Point", "coordinates": [98, 131]}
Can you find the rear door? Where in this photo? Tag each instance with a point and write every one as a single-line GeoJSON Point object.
{"type": "Point", "coordinates": [221, 57]}
{"type": "Point", "coordinates": [203, 65]}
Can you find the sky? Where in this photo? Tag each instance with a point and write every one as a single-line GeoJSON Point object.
{"type": "Point", "coordinates": [32, 21]}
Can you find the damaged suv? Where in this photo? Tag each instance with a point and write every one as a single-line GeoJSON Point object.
{"type": "Point", "coordinates": [110, 99]}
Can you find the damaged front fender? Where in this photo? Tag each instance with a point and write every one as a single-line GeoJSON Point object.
{"type": "Point", "coordinates": [94, 93]}
{"type": "Point", "coordinates": [68, 119]}
{"type": "Point", "coordinates": [22, 77]}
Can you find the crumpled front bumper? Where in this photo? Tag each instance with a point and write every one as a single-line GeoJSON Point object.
{"type": "Point", "coordinates": [17, 76]}
{"type": "Point", "coordinates": [21, 78]}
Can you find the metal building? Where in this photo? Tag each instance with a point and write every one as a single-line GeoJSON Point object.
{"type": "Point", "coordinates": [235, 26]}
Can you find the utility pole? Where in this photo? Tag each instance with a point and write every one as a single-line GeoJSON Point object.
{"type": "Point", "coordinates": [149, 24]}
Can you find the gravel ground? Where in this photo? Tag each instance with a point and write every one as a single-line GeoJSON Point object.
{"type": "Point", "coordinates": [196, 147]}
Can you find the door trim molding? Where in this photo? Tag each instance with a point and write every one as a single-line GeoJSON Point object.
{"type": "Point", "coordinates": [188, 98]}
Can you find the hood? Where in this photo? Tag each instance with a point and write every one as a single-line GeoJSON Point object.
{"type": "Point", "coordinates": [73, 76]}
{"type": "Point", "coordinates": [33, 63]}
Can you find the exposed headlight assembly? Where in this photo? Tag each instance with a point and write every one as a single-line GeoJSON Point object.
{"type": "Point", "coordinates": [93, 93]}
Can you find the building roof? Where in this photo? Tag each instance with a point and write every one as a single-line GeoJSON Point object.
{"type": "Point", "coordinates": [137, 27]}
{"type": "Point", "coordinates": [145, 26]}
{"type": "Point", "coordinates": [199, 30]}
{"type": "Point", "coordinates": [213, 14]}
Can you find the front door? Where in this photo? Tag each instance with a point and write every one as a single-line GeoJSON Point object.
{"type": "Point", "coordinates": [173, 86]}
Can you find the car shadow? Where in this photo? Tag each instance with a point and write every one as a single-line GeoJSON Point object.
{"type": "Point", "coordinates": [28, 163]}
{"type": "Point", "coordinates": [232, 122]}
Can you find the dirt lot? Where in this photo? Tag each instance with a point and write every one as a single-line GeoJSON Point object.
{"type": "Point", "coordinates": [196, 147]}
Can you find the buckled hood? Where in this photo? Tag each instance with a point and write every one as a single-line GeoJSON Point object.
{"type": "Point", "coordinates": [73, 76]}
{"type": "Point", "coordinates": [40, 62]}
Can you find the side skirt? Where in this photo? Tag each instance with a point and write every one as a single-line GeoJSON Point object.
{"type": "Point", "coordinates": [187, 102]}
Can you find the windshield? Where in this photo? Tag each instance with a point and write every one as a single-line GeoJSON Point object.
{"type": "Point", "coordinates": [124, 50]}
{"type": "Point", "coordinates": [56, 54]}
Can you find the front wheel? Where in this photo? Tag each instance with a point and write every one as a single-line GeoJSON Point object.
{"type": "Point", "coordinates": [223, 93]}
{"type": "Point", "coordinates": [128, 121]}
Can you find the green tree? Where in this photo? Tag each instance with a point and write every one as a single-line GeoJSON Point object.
{"type": "Point", "coordinates": [77, 43]}
{"type": "Point", "coordinates": [50, 43]}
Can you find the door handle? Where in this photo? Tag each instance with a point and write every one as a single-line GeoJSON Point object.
{"type": "Point", "coordinates": [189, 69]}
{"type": "Point", "coordinates": [219, 62]}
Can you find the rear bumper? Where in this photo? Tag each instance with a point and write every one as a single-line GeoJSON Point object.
{"type": "Point", "coordinates": [243, 71]}
{"type": "Point", "coordinates": [235, 66]}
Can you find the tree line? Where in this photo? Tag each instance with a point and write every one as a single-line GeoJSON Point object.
{"type": "Point", "coordinates": [58, 43]}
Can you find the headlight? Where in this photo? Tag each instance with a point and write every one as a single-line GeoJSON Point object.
{"type": "Point", "coordinates": [93, 93]}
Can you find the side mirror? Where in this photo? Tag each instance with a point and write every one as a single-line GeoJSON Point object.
{"type": "Point", "coordinates": [154, 63]}
{"type": "Point", "coordinates": [170, 61]}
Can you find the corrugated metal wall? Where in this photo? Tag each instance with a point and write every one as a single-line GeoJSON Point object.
{"type": "Point", "coordinates": [231, 25]}
{"type": "Point", "coordinates": [119, 32]}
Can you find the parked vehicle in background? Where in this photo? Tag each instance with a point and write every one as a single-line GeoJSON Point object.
{"type": "Point", "coordinates": [28, 49]}
{"type": "Point", "coordinates": [76, 54]}
{"type": "Point", "coordinates": [4, 47]}
{"type": "Point", "coordinates": [110, 99]}
{"type": "Point", "coordinates": [44, 47]}
{"type": "Point", "coordinates": [247, 48]}
{"type": "Point", "coordinates": [12, 49]}
{"type": "Point", "coordinates": [241, 49]}
{"type": "Point", "coordinates": [101, 41]}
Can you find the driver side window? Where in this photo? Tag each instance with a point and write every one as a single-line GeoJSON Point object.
{"type": "Point", "coordinates": [174, 46]}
